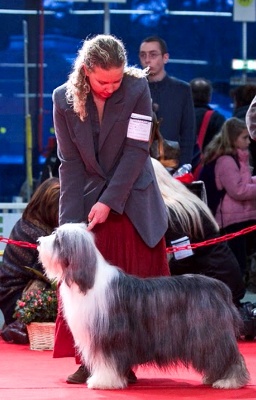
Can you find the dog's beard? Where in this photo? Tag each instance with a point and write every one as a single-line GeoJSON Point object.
{"type": "Point", "coordinates": [48, 256]}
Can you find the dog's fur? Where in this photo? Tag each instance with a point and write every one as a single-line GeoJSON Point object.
{"type": "Point", "coordinates": [120, 321]}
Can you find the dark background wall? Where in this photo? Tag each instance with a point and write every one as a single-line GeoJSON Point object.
{"type": "Point", "coordinates": [199, 45]}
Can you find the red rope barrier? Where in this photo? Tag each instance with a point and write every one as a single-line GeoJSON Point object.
{"type": "Point", "coordinates": [173, 249]}
{"type": "Point", "coordinates": [18, 243]}
{"type": "Point", "coordinates": [209, 242]}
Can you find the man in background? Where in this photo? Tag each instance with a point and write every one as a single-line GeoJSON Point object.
{"type": "Point", "coordinates": [171, 97]}
{"type": "Point", "coordinates": [208, 120]}
{"type": "Point", "coordinates": [202, 95]}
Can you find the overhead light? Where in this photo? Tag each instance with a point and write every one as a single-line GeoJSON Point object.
{"type": "Point", "coordinates": [249, 65]}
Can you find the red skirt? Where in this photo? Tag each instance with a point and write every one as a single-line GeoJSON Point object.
{"type": "Point", "coordinates": [121, 245]}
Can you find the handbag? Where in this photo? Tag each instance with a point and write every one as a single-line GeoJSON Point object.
{"type": "Point", "coordinates": [165, 151]}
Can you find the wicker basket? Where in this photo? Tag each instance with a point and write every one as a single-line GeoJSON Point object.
{"type": "Point", "coordinates": [41, 335]}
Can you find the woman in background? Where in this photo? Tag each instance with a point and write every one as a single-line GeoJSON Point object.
{"type": "Point", "coordinates": [191, 222]}
{"type": "Point", "coordinates": [229, 150]}
{"type": "Point", "coordinates": [39, 218]}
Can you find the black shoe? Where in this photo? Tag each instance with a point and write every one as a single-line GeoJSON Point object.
{"type": "Point", "coordinates": [6, 336]}
{"type": "Point", "coordinates": [80, 376]}
{"type": "Point", "coordinates": [15, 332]}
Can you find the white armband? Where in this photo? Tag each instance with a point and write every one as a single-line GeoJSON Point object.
{"type": "Point", "coordinates": [139, 127]}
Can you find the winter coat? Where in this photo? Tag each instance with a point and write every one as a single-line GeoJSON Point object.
{"type": "Point", "coordinates": [239, 202]}
{"type": "Point", "coordinates": [14, 277]}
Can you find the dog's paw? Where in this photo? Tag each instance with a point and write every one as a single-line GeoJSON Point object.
{"type": "Point", "coordinates": [99, 383]}
{"type": "Point", "coordinates": [226, 384]}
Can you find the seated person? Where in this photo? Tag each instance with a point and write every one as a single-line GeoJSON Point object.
{"type": "Point", "coordinates": [190, 217]}
{"type": "Point", "coordinates": [39, 218]}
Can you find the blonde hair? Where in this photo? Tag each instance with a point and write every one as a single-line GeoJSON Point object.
{"type": "Point", "coordinates": [187, 207]}
{"type": "Point", "coordinates": [104, 51]}
{"type": "Point", "coordinates": [224, 142]}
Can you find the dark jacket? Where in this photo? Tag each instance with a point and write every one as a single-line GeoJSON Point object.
{"type": "Point", "coordinates": [215, 123]}
{"type": "Point", "coordinates": [13, 276]}
{"type": "Point", "coordinates": [216, 261]}
{"type": "Point", "coordinates": [175, 109]}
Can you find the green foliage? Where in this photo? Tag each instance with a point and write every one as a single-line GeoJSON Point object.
{"type": "Point", "coordinates": [37, 306]}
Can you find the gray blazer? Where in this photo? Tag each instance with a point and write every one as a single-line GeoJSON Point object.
{"type": "Point", "coordinates": [123, 177]}
{"type": "Point", "coordinates": [251, 119]}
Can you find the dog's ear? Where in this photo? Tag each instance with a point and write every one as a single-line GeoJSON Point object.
{"type": "Point", "coordinates": [78, 257]}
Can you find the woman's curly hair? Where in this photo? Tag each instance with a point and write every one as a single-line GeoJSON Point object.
{"type": "Point", "coordinates": [104, 51]}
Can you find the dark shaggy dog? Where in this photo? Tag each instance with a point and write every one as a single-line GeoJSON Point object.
{"type": "Point", "coordinates": [119, 321]}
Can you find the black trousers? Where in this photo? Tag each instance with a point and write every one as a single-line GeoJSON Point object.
{"type": "Point", "coordinates": [239, 244]}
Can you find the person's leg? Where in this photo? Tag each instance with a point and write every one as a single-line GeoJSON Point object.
{"type": "Point", "coordinates": [238, 244]}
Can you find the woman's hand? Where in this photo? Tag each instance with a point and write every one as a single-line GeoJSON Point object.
{"type": "Point", "coordinates": [98, 214]}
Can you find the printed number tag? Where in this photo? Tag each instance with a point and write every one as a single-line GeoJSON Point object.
{"type": "Point", "coordinates": [180, 254]}
{"type": "Point", "coordinates": [139, 127]}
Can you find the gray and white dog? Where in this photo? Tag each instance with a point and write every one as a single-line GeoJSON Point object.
{"type": "Point", "coordinates": [119, 321]}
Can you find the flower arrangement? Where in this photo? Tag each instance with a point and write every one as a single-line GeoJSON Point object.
{"type": "Point", "coordinates": [38, 303]}
{"type": "Point", "coordinates": [37, 306]}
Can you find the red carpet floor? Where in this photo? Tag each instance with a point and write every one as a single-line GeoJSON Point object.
{"type": "Point", "coordinates": [34, 375]}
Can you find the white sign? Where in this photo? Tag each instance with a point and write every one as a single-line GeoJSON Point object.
{"type": "Point", "coordinates": [182, 242]}
{"type": "Point", "coordinates": [244, 10]}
